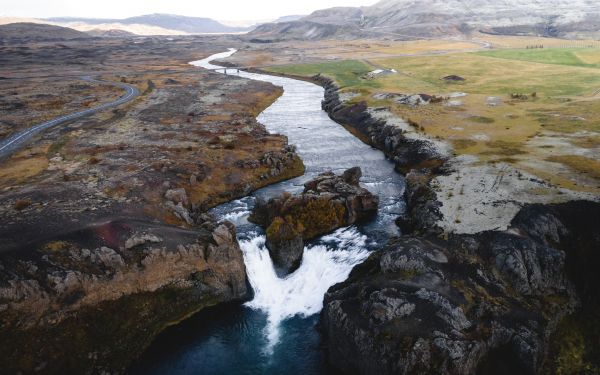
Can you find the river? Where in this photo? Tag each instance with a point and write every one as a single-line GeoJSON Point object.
{"type": "Point", "coordinates": [275, 332]}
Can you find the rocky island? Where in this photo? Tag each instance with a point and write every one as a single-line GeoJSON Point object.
{"type": "Point", "coordinates": [328, 202]}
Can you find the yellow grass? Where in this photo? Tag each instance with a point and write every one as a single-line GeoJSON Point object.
{"type": "Point", "coordinates": [22, 166]}
{"type": "Point", "coordinates": [563, 103]}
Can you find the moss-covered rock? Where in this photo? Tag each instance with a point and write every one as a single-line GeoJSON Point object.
{"type": "Point", "coordinates": [327, 203]}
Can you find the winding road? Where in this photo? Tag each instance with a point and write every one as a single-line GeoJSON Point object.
{"type": "Point", "coordinates": [14, 142]}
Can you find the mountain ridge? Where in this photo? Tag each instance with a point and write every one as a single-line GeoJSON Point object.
{"type": "Point", "coordinates": [183, 24]}
{"type": "Point", "coordinates": [436, 18]}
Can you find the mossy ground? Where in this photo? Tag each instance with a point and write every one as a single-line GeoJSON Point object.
{"type": "Point", "coordinates": [347, 73]}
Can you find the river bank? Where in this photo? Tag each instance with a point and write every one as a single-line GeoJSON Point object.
{"type": "Point", "coordinates": [492, 222]}
{"type": "Point", "coordinates": [105, 237]}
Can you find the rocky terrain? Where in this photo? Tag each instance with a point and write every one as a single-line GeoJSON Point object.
{"type": "Point", "coordinates": [435, 18]}
{"type": "Point", "coordinates": [328, 202]}
{"type": "Point", "coordinates": [408, 153]}
{"type": "Point", "coordinates": [485, 303]}
{"type": "Point", "coordinates": [92, 299]}
{"type": "Point", "coordinates": [438, 301]}
{"type": "Point", "coordinates": [105, 240]}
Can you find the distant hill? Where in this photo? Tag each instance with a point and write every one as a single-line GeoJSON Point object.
{"type": "Point", "coordinates": [181, 24]}
{"type": "Point", "coordinates": [289, 18]}
{"type": "Point", "coordinates": [36, 31]}
{"type": "Point", "coordinates": [110, 33]}
{"type": "Point", "coordinates": [441, 18]}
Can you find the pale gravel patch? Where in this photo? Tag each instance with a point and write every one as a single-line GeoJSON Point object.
{"type": "Point", "coordinates": [390, 119]}
{"type": "Point", "coordinates": [480, 137]}
{"type": "Point", "coordinates": [454, 103]}
{"type": "Point", "coordinates": [478, 198]}
{"type": "Point", "coordinates": [551, 143]}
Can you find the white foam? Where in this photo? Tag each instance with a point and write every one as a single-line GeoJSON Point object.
{"type": "Point", "coordinates": [300, 293]}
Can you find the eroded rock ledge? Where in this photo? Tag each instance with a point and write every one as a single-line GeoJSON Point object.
{"type": "Point", "coordinates": [328, 202]}
{"type": "Point", "coordinates": [83, 305]}
{"type": "Point", "coordinates": [407, 153]}
{"type": "Point", "coordinates": [420, 160]}
{"type": "Point", "coordinates": [484, 303]}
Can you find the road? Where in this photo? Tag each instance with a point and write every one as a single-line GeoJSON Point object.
{"type": "Point", "coordinates": [17, 140]}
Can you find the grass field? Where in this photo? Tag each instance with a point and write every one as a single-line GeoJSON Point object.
{"type": "Point", "coordinates": [347, 73]}
{"type": "Point", "coordinates": [582, 57]}
{"type": "Point", "coordinates": [562, 89]}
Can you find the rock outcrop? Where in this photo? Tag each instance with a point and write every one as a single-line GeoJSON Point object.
{"type": "Point", "coordinates": [83, 305]}
{"type": "Point", "coordinates": [484, 303]}
{"type": "Point", "coordinates": [327, 203]}
{"type": "Point", "coordinates": [407, 153]}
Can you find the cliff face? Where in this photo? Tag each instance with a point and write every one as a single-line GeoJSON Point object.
{"type": "Point", "coordinates": [406, 153]}
{"type": "Point", "coordinates": [484, 303]}
{"type": "Point", "coordinates": [74, 307]}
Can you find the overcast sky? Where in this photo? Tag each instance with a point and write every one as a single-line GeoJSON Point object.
{"type": "Point", "coordinates": [222, 10]}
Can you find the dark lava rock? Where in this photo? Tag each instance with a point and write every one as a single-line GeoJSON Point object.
{"type": "Point", "coordinates": [328, 202]}
{"type": "Point", "coordinates": [484, 303]}
{"type": "Point", "coordinates": [422, 207]}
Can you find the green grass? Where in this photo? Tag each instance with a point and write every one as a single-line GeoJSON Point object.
{"type": "Point", "coordinates": [488, 76]}
{"type": "Point", "coordinates": [557, 56]}
{"type": "Point", "coordinates": [347, 73]}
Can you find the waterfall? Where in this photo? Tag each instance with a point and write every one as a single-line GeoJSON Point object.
{"type": "Point", "coordinates": [300, 293]}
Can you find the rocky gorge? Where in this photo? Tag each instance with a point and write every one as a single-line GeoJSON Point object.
{"type": "Point", "coordinates": [139, 256]}
{"type": "Point", "coordinates": [434, 301]}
